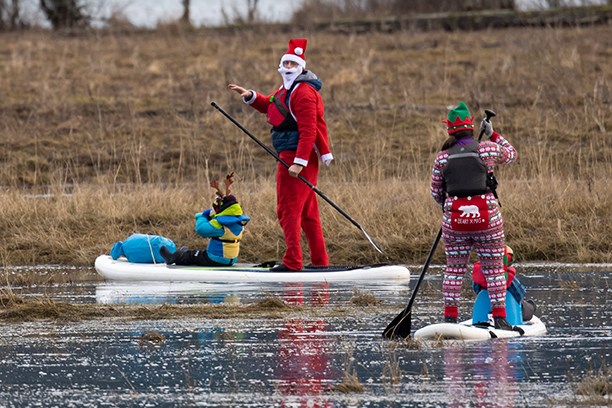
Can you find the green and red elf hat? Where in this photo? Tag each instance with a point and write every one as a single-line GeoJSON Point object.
{"type": "Point", "coordinates": [459, 119]}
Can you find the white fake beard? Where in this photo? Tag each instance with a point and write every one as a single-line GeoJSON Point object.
{"type": "Point", "coordinates": [289, 75]}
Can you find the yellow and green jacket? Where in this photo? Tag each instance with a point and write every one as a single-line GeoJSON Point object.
{"type": "Point", "coordinates": [225, 230]}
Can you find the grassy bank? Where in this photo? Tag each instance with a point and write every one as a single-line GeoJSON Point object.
{"type": "Point", "coordinates": [117, 131]}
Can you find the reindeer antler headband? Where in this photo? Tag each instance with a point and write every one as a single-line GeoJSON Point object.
{"type": "Point", "coordinates": [229, 179]}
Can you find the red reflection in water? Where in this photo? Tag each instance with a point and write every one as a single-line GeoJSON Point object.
{"type": "Point", "coordinates": [303, 362]}
{"type": "Point", "coordinates": [485, 377]}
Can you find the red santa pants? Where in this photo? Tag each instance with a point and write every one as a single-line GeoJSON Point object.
{"type": "Point", "coordinates": [297, 209]}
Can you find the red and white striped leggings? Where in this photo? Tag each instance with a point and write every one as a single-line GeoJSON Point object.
{"type": "Point", "coordinates": [489, 246]}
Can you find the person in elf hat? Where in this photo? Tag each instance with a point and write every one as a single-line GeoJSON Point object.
{"type": "Point", "coordinates": [471, 217]}
{"type": "Point", "coordinates": [299, 136]}
{"type": "Point", "coordinates": [223, 223]}
{"type": "Point", "coordinates": [518, 309]}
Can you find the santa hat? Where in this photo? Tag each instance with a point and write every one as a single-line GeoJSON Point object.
{"type": "Point", "coordinates": [296, 52]}
{"type": "Point", "coordinates": [459, 119]}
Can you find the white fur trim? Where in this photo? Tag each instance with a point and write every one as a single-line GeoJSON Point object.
{"type": "Point", "coordinates": [250, 101]}
{"type": "Point", "coordinates": [301, 162]}
{"type": "Point", "coordinates": [327, 158]}
{"type": "Point", "coordinates": [289, 101]}
{"type": "Point", "coordinates": [294, 58]}
{"type": "Point", "coordinates": [289, 75]}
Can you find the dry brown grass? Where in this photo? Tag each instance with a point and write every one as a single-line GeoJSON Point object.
{"type": "Point", "coordinates": [592, 390]}
{"type": "Point", "coordinates": [363, 298]}
{"type": "Point", "coordinates": [596, 384]}
{"type": "Point", "coordinates": [350, 384]}
{"type": "Point", "coordinates": [151, 337]}
{"type": "Point", "coordinates": [119, 130]}
{"type": "Point", "coordinates": [14, 308]}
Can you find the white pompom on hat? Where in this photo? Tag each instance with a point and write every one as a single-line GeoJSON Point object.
{"type": "Point", "coordinates": [296, 52]}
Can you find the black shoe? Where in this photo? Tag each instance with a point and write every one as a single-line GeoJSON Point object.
{"type": "Point", "coordinates": [311, 266]}
{"type": "Point", "coordinates": [167, 255]}
{"type": "Point", "coordinates": [502, 324]}
{"type": "Point", "coordinates": [281, 268]}
{"type": "Point", "coordinates": [266, 264]}
{"type": "Point", "coordinates": [450, 319]}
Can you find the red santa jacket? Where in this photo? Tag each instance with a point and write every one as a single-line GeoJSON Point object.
{"type": "Point", "coordinates": [306, 107]}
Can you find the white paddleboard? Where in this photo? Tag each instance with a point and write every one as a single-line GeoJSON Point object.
{"type": "Point", "coordinates": [122, 270]}
{"type": "Point", "coordinates": [466, 331]}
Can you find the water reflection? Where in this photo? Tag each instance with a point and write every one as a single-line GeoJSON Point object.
{"type": "Point", "coordinates": [303, 368]}
{"type": "Point", "coordinates": [299, 359]}
{"type": "Point", "coordinates": [195, 292]}
{"type": "Point", "coordinates": [173, 292]}
{"type": "Point", "coordinates": [491, 370]}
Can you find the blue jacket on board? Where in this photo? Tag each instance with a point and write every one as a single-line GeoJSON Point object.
{"type": "Point", "coordinates": [225, 230]}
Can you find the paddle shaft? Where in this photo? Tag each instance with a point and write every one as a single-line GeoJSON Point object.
{"type": "Point", "coordinates": [400, 326]}
{"type": "Point", "coordinates": [425, 267]}
{"type": "Point", "coordinates": [308, 183]}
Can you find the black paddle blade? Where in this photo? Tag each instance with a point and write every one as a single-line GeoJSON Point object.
{"type": "Point", "coordinates": [399, 328]}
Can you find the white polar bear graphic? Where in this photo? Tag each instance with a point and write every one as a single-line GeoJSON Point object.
{"type": "Point", "coordinates": [469, 211]}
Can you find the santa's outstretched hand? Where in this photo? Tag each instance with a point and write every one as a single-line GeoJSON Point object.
{"type": "Point", "coordinates": [245, 93]}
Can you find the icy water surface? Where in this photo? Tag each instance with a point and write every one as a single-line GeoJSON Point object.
{"type": "Point", "coordinates": [304, 361]}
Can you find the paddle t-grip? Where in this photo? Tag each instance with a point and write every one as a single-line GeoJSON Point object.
{"type": "Point", "coordinates": [489, 113]}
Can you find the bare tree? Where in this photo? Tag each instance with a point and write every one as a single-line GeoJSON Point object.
{"type": "Point", "coordinates": [9, 15]}
{"type": "Point", "coordinates": [251, 10]}
{"type": "Point", "coordinates": [185, 18]}
{"type": "Point", "coordinates": [250, 17]}
{"type": "Point", "coordinates": [65, 13]}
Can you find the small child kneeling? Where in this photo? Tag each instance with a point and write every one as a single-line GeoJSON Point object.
{"type": "Point", "coordinates": [518, 310]}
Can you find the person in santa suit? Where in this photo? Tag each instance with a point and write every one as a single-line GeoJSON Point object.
{"type": "Point", "coordinates": [299, 136]}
